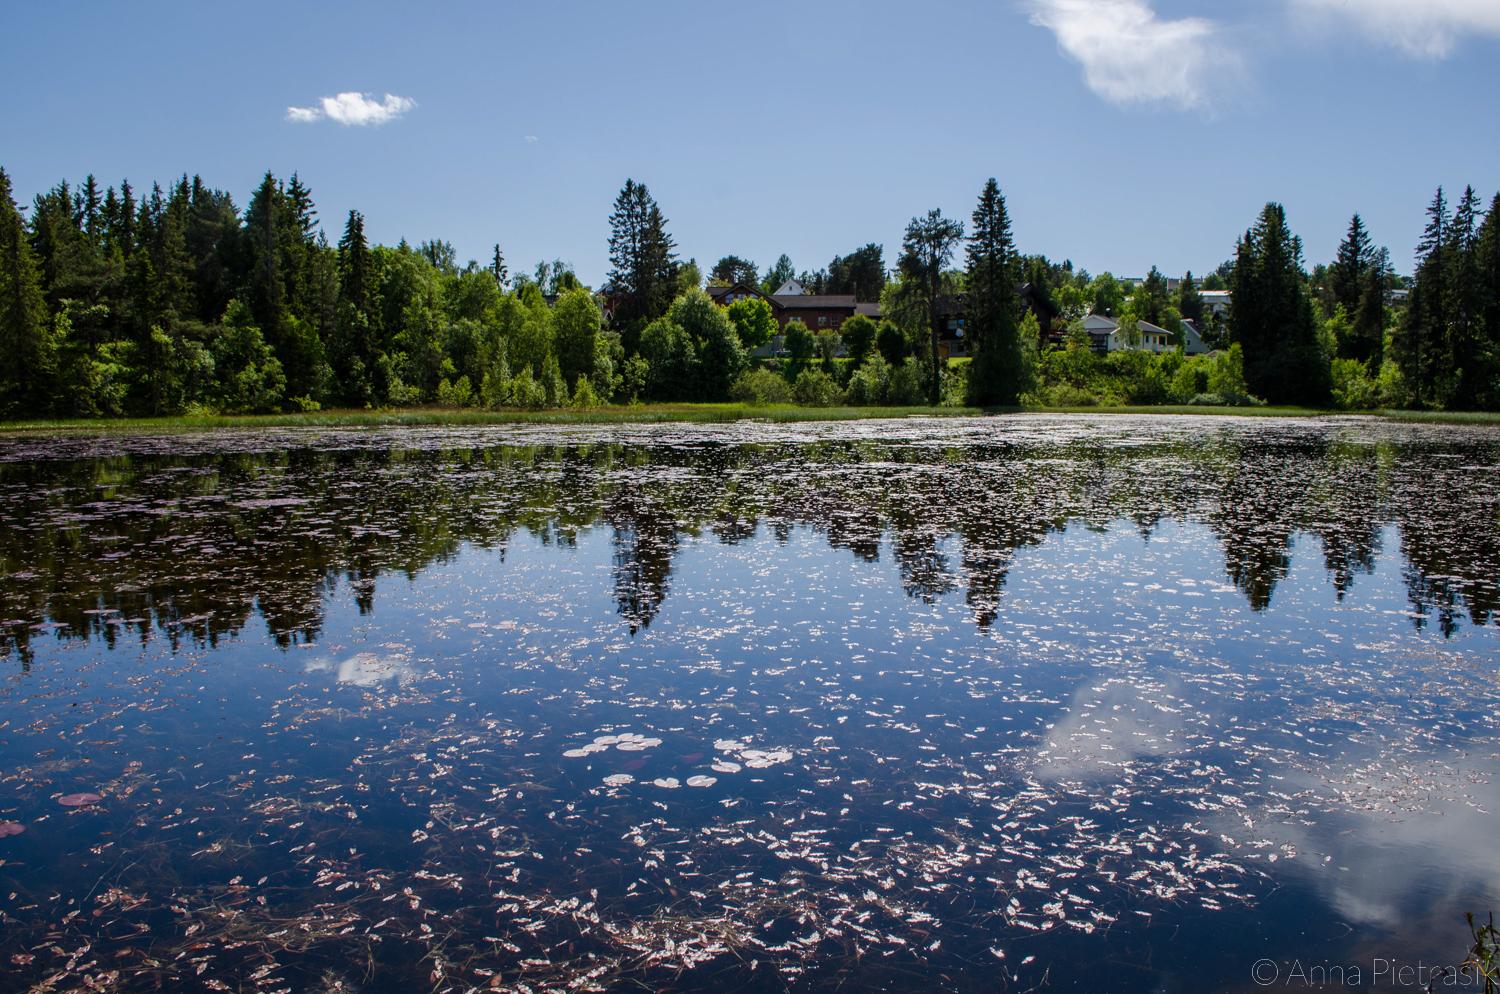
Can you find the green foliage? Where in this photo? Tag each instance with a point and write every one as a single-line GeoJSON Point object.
{"type": "Point", "coordinates": [754, 321]}
{"type": "Point", "coordinates": [760, 387]}
{"type": "Point", "coordinates": [576, 329]}
{"type": "Point", "coordinates": [799, 341]}
{"type": "Point", "coordinates": [250, 378]}
{"type": "Point", "coordinates": [720, 356]}
{"type": "Point", "coordinates": [1273, 315]}
{"type": "Point", "coordinates": [815, 388]}
{"type": "Point", "coordinates": [112, 305]}
{"type": "Point", "coordinates": [871, 382]}
{"type": "Point", "coordinates": [554, 387]}
{"type": "Point", "coordinates": [672, 362]}
{"type": "Point", "coordinates": [925, 252]}
{"type": "Point", "coordinates": [858, 335]}
{"type": "Point", "coordinates": [459, 393]}
{"type": "Point", "coordinates": [890, 341]}
{"type": "Point", "coordinates": [584, 395]}
{"type": "Point", "coordinates": [525, 392]}
{"type": "Point", "coordinates": [1000, 373]}
{"type": "Point", "coordinates": [1354, 389]}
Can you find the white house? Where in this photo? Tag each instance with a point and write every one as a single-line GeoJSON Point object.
{"type": "Point", "coordinates": [1105, 334]}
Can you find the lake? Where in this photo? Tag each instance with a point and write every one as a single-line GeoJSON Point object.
{"type": "Point", "coordinates": [1076, 703]}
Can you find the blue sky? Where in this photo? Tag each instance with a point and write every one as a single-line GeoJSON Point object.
{"type": "Point", "coordinates": [1125, 133]}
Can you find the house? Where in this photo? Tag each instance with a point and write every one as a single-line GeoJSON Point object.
{"type": "Point", "coordinates": [1104, 334]}
{"type": "Point", "coordinates": [1192, 342]}
{"type": "Point", "coordinates": [819, 312]}
{"type": "Point", "coordinates": [1215, 302]}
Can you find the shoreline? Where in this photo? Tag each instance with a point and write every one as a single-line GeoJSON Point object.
{"type": "Point", "coordinates": [682, 414]}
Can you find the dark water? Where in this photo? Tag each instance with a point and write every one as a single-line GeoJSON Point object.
{"type": "Point", "coordinates": [1077, 704]}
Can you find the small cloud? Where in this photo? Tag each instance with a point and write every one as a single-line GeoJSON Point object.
{"type": "Point", "coordinates": [1423, 28]}
{"type": "Point", "coordinates": [532, 139]}
{"type": "Point", "coordinates": [353, 109]}
{"type": "Point", "coordinates": [1130, 55]}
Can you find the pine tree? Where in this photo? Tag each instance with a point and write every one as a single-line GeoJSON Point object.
{"type": "Point", "coordinates": [1347, 275]}
{"type": "Point", "coordinates": [26, 340]}
{"type": "Point", "coordinates": [1190, 301]}
{"type": "Point", "coordinates": [356, 358]}
{"type": "Point", "coordinates": [265, 290]}
{"type": "Point", "coordinates": [1273, 320]}
{"type": "Point", "coordinates": [643, 265]}
{"type": "Point", "coordinates": [1488, 252]}
{"type": "Point", "coordinates": [997, 375]}
{"type": "Point", "coordinates": [497, 267]}
{"type": "Point", "coordinates": [1417, 347]}
{"type": "Point", "coordinates": [1464, 352]}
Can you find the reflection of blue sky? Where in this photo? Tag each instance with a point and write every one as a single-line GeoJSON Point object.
{"type": "Point", "coordinates": [1119, 668]}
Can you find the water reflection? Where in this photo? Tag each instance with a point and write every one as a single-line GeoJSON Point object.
{"type": "Point", "coordinates": [989, 706]}
{"type": "Point", "coordinates": [194, 545]}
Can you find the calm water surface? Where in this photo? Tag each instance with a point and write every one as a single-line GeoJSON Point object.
{"type": "Point", "coordinates": [1064, 703]}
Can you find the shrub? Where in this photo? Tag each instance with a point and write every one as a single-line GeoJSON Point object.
{"type": "Point", "coordinates": [1226, 400]}
{"type": "Point", "coordinates": [584, 394]}
{"type": "Point", "coordinates": [799, 341]}
{"type": "Point", "coordinates": [761, 387]}
{"type": "Point", "coordinates": [1354, 389]}
{"type": "Point", "coordinates": [870, 384]}
{"type": "Point", "coordinates": [891, 343]}
{"type": "Point", "coordinates": [525, 391]}
{"type": "Point", "coordinates": [1068, 395]}
{"type": "Point", "coordinates": [456, 394]}
{"type": "Point", "coordinates": [815, 388]}
{"type": "Point", "coordinates": [907, 386]}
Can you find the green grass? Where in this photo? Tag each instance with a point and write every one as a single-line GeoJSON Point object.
{"type": "Point", "coordinates": [637, 414]}
{"type": "Point", "coordinates": [670, 414]}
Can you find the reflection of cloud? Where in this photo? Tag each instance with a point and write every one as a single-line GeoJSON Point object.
{"type": "Point", "coordinates": [1405, 839]}
{"type": "Point", "coordinates": [366, 669]}
{"type": "Point", "coordinates": [1109, 725]}
{"type": "Point", "coordinates": [1131, 56]}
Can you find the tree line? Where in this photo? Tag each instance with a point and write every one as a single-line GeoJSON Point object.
{"type": "Point", "coordinates": [178, 301]}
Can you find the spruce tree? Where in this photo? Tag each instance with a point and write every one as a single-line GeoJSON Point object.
{"type": "Point", "coordinates": [643, 265]}
{"type": "Point", "coordinates": [1463, 355]}
{"type": "Point", "coordinates": [1488, 251]}
{"type": "Point", "coordinates": [1273, 320]}
{"type": "Point", "coordinates": [497, 267]}
{"type": "Point", "coordinates": [26, 340]}
{"type": "Point", "coordinates": [997, 374]}
{"type": "Point", "coordinates": [1418, 345]}
{"type": "Point", "coordinates": [1347, 275]}
{"type": "Point", "coordinates": [1190, 301]}
{"type": "Point", "coordinates": [357, 355]}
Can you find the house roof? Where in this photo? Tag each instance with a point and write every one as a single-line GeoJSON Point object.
{"type": "Point", "coordinates": [814, 302]}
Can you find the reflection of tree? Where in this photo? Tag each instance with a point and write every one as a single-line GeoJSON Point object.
{"type": "Point", "coordinates": [1346, 514]}
{"type": "Point", "coordinates": [1255, 514]}
{"type": "Point", "coordinates": [646, 539]}
{"type": "Point", "coordinates": [1450, 538]}
{"type": "Point", "coordinates": [193, 546]}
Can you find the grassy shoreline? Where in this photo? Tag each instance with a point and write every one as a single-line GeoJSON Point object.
{"type": "Point", "coordinates": [674, 414]}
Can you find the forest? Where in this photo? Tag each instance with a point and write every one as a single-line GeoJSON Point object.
{"type": "Point", "coordinates": [177, 301]}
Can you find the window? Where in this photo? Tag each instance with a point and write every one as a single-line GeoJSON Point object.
{"type": "Point", "coordinates": [823, 321]}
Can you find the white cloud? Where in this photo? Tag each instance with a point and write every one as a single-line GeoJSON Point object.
{"type": "Point", "coordinates": [532, 139]}
{"type": "Point", "coordinates": [1131, 56]}
{"type": "Point", "coordinates": [1425, 28]}
{"type": "Point", "coordinates": [353, 109]}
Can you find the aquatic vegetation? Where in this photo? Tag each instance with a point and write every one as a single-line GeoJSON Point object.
{"type": "Point", "coordinates": [955, 705]}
